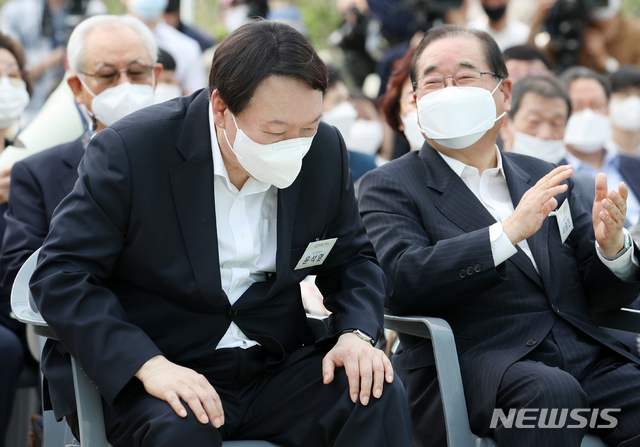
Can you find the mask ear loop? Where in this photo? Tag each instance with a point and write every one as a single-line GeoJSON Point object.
{"type": "Point", "coordinates": [224, 131]}
{"type": "Point", "coordinates": [494, 90]}
{"type": "Point", "coordinates": [94, 121]}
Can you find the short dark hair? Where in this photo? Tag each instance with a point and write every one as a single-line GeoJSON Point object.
{"type": "Point", "coordinates": [580, 72]}
{"type": "Point", "coordinates": [539, 85]}
{"type": "Point", "coordinates": [625, 77]}
{"type": "Point", "coordinates": [15, 48]}
{"type": "Point", "coordinates": [256, 51]}
{"type": "Point", "coordinates": [526, 53]}
{"type": "Point", "coordinates": [167, 61]}
{"type": "Point", "coordinates": [492, 54]}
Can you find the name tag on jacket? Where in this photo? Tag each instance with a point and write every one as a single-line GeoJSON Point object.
{"type": "Point", "coordinates": [316, 253]}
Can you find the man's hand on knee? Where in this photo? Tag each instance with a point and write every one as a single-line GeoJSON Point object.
{"type": "Point", "coordinates": [366, 367]}
{"type": "Point", "coordinates": [170, 382]}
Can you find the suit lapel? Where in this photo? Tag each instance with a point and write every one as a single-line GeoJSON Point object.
{"type": "Point", "coordinates": [519, 182]}
{"type": "Point", "coordinates": [457, 202]}
{"type": "Point", "coordinates": [193, 196]}
{"type": "Point", "coordinates": [71, 159]}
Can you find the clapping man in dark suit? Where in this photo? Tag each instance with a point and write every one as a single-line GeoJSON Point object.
{"type": "Point", "coordinates": [496, 244]}
{"type": "Point", "coordinates": [171, 271]}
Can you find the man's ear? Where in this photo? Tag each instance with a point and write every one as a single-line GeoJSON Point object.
{"type": "Point", "coordinates": [506, 88]}
{"type": "Point", "coordinates": [219, 108]}
{"type": "Point", "coordinates": [76, 87]}
{"type": "Point", "coordinates": [157, 69]}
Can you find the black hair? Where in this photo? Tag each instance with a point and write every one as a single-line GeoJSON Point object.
{"type": "Point", "coordinates": [492, 54]}
{"type": "Point", "coordinates": [257, 50]}
{"type": "Point", "coordinates": [526, 53]}
{"type": "Point", "coordinates": [539, 85]}
{"type": "Point", "coordinates": [167, 61]}
{"type": "Point", "coordinates": [626, 77]}
{"type": "Point", "coordinates": [579, 72]}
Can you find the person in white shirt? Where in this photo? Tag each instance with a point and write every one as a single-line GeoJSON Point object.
{"type": "Point", "coordinates": [184, 50]}
{"type": "Point", "coordinates": [507, 32]}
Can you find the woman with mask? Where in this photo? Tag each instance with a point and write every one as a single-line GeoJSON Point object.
{"type": "Point", "coordinates": [14, 98]}
{"type": "Point", "coordinates": [624, 111]}
{"type": "Point", "coordinates": [399, 107]}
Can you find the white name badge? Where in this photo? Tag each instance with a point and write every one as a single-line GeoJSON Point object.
{"type": "Point", "coordinates": [316, 253]}
{"type": "Point", "coordinates": [565, 222]}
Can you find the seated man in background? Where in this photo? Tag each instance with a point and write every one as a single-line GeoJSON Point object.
{"type": "Point", "coordinates": [588, 133]}
{"type": "Point", "coordinates": [624, 110]}
{"type": "Point", "coordinates": [463, 233]}
{"type": "Point", "coordinates": [97, 49]}
{"type": "Point", "coordinates": [171, 272]}
{"type": "Point", "coordinates": [526, 60]}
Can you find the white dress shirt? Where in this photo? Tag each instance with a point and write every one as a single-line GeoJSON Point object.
{"type": "Point", "coordinates": [246, 229]}
{"type": "Point", "coordinates": [492, 191]}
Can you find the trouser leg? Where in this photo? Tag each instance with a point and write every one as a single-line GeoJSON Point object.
{"type": "Point", "coordinates": [294, 407]}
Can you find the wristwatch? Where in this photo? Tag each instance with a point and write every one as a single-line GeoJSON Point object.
{"type": "Point", "coordinates": [628, 242]}
{"type": "Point", "coordinates": [364, 336]}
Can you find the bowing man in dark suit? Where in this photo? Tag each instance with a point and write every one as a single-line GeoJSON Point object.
{"type": "Point", "coordinates": [465, 232]}
{"type": "Point", "coordinates": [171, 271]}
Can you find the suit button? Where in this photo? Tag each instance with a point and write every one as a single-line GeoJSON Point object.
{"type": "Point", "coordinates": [463, 273]}
{"type": "Point", "coordinates": [233, 312]}
{"type": "Point", "coordinates": [555, 308]}
{"type": "Point", "coordinates": [477, 268]}
{"type": "Point", "coordinates": [469, 271]}
{"type": "Point", "coordinates": [532, 342]}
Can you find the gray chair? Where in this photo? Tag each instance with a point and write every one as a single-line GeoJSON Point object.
{"type": "Point", "coordinates": [448, 370]}
{"type": "Point", "coordinates": [88, 400]}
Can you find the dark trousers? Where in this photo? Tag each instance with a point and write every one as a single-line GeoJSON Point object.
{"type": "Point", "coordinates": [291, 407]}
{"type": "Point", "coordinates": [12, 357]}
{"type": "Point", "coordinates": [567, 370]}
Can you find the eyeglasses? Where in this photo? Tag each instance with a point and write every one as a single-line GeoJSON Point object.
{"type": "Point", "coordinates": [461, 78]}
{"type": "Point", "coordinates": [108, 76]}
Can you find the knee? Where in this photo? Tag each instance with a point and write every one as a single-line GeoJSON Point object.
{"type": "Point", "coordinates": [171, 430]}
{"type": "Point", "coordinates": [555, 388]}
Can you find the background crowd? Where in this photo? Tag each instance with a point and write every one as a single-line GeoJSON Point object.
{"type": "Point", "coordinates": [576, 96]}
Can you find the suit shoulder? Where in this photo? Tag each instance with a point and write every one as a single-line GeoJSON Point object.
{"type": "Point", "coordinates": [48, 156]}
{"type": "Point", "coordinates": [533, 165]}
{"type": "Point", "coordinates": [400, 167]}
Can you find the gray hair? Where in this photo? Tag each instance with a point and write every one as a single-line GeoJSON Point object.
{"type": "Point", "coordinates": [580, 72]}
{"type": "Point", "coordinates": [75, 47]}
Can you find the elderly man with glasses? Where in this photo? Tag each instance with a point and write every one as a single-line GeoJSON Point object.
{"type": "Point", "coordinates": [496, 244]}
{"type": "Point", "coordinates": [113, 70]}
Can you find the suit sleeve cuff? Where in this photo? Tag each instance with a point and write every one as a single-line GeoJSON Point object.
{"type": "Point", "coordinates": [501, 247]}
{"type": "Point", "coordinates": [625, 266]}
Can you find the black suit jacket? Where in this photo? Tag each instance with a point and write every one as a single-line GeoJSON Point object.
{"type": "Point", "coordinates": [431, 235]}
{"type": "Point", "coordinates": [38, 184]}
{"type": "Point", "coordinates": [130, 267]}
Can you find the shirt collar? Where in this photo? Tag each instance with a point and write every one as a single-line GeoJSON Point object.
{"type": "Point", "coordinates": [459, 167]}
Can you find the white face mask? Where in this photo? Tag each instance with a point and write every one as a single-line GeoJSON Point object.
{"type": "Point", "coordinates": [548, 150]}
{"type": "Point", "coordinates": [587, 131]}
{"type": "Point", "coordinates": [13, 101]}
{"type": "Point", "coordinates": [341, 116]}
{"type": "Point", "coordinates": [117, 102]}
{"type": "Point", "coordinates": [412, 130]}
{"type": "Point", "coordinates": [277, 164]}
{"type": "Point", "coordinates": [149, 10]}
{"type": "Point", "coordinates": [165, 92]}
{"type": "Point", "coordinates": [235, 17]}
{"type": "Point", "coordinates": [604, 13]}
{"type": "Point", "coordinates": [365, 136]}
{"type": "Point", "coordinates": [625, 113]}
{"type": "Point", "coordinates": [457, 117]}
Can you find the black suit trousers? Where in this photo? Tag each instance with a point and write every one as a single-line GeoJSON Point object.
{"type": "Point", "coordinates": [291, 407]}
